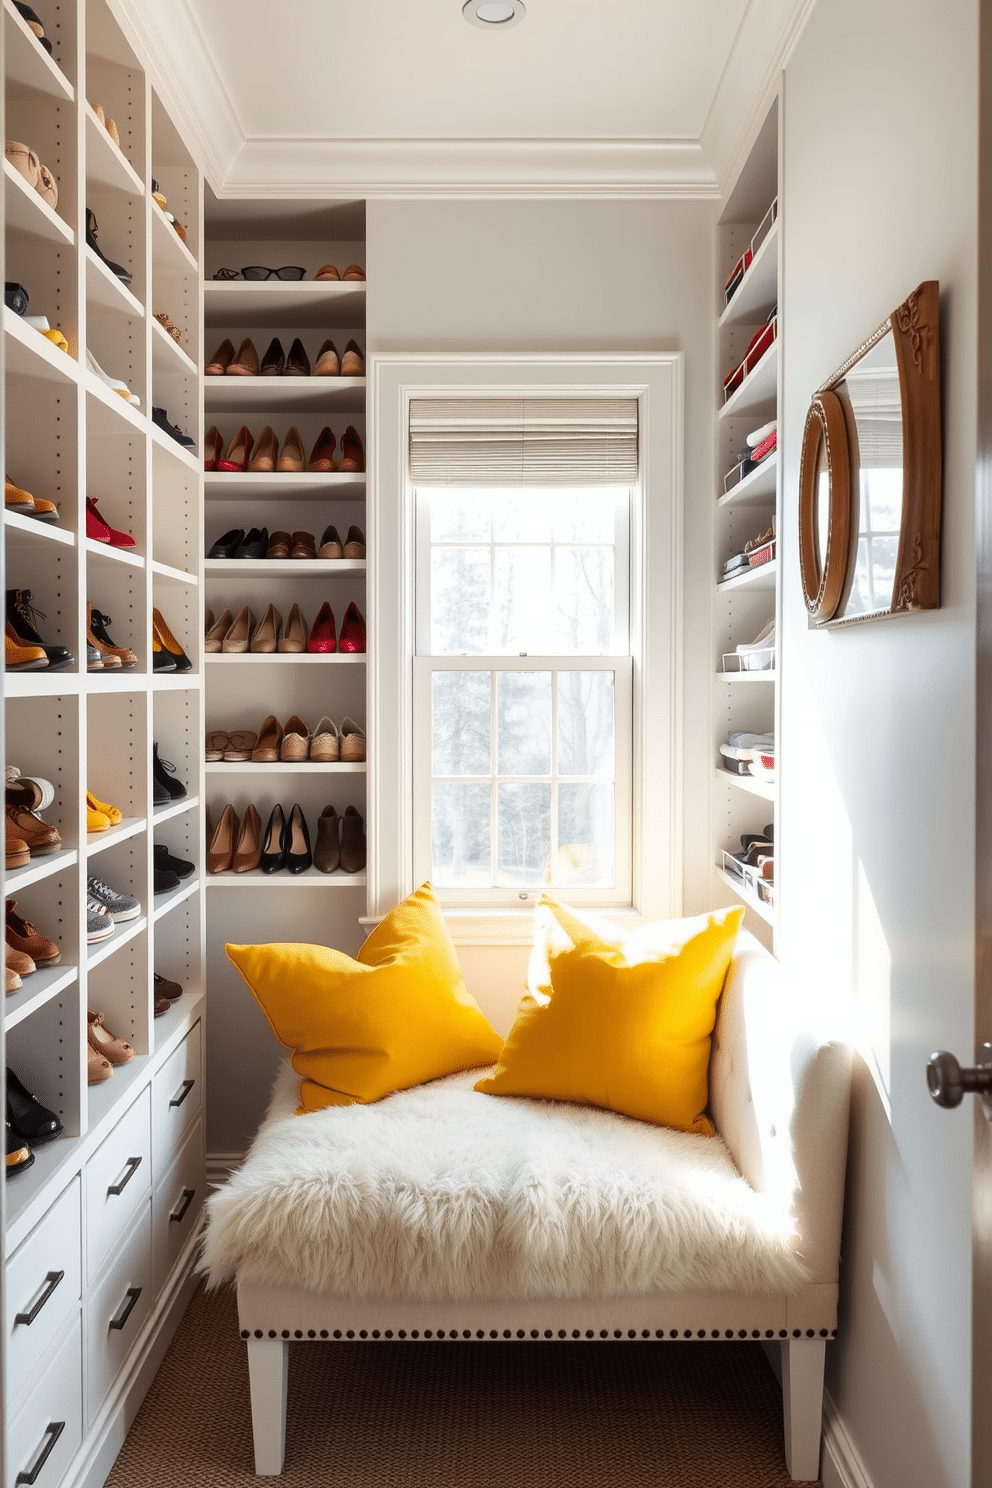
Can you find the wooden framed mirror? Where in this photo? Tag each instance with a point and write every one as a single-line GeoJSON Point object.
{"type": "Point", "coordinates": [870, 475]}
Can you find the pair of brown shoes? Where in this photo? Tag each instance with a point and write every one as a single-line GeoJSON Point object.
{"type": "Point", "coordinates": [241, 635]}
{"type": "Point", "coordinates": [26, 948]}
{"type": "Point", "coordinates": [299, 545]}
{"type": "Point", "coordinates": [235, 844]}
{"type": "Point", "coordinates": [350, 363]}
{"type": "Point", "coordinates": [340, 841]}
{"type": "Point", "coordinates": [28, 836]}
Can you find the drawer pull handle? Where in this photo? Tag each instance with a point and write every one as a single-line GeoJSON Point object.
{"type": "Point", "coordinates": [177, 1100]}
{"type": "Point", "coordinates": [133, 1164]}
{"type": "Point", "coordinates": [132, 1294]}
{"type": "Point", "coordinates": [51, 1282]}
{"type": "Point", "coordinates": [180, 1214]}
{"type": "Point", "coordinates": [53, 1431]}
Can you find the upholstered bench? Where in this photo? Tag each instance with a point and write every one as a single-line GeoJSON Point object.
{"type": "Point", "coordinates": [443, 1213]}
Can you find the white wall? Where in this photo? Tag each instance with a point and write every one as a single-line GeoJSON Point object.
{"type": "Point", "coordinates": [878, 724]}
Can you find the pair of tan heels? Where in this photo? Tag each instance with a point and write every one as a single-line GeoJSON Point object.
{"type": "Point", "coordinates": [104, 1051]}
{"type": "Point", "coordinates": [234, 844]}
{"type": "Point", "coordinates": [238, 636]}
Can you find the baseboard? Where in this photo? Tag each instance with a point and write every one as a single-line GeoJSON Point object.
{"type": "Point", "coordinates": [106, 1436]}
{"type": "Point", "coordinates": [841, 1465]}
{"type": "Point", "coordinates": [220, 1166]}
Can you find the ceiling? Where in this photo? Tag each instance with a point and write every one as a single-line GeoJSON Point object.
{"type": "Point", "coordinates": [373, 97]}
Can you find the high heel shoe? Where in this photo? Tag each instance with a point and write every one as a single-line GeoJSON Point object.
{"type": "Point", "coordinates": [235, 642]}
{"type": "Point", "coordinates": [274, 359]}
{"type": "Point", "coordinates": [291, 455]}
{"type": "Point", "coordinates": [297, 362]}
{"type": "Point", "coordinates": [330, 544]}
{"type": "Point", "coordinates": [272, 856]}
{"type": "Point", "coordinates": [325, 745]}
{"type": "Point", "coordinates": [169, 643]}
{"type": "Point", "coordinates": [295, 740]}
{"type": "Point", "coordinates": [352, 451]}
{"type": "Point", "coordinates": [102, 1041]}
{"type": "Point", "coordinates": [322, 638]}
{"type": "Point", "coordinates": [294, 636]}
{"type": "Point", "coordinates": [21, 616]}
{"type": "Point", "coordinates": [327, 853]}
{"type": "Point", "coordinates": [354, 546]}
{"type": "Point", "coordinates": [245, 364]}
{"type": "Point", "coordinates": [114, 383]}
{"type": "Point", "coordinates": [124, 275]}
{"type": "Point", "coordinates": [212, 446]}
{"type": "Point", "coordinates": [328, 363]}
{"type": "Point", "coordinates": [353, 851]}
{"type": "Point", "coordinates": [320, 455]}
{"type": "Point", "coordinates": [221, 359]}
{"type": "Point", "coordinates": [352, 362]}
{"type": "Point", "coordinates": [248, 853]}
{"type": "Point", "coordinates": [352, 630]}
{"type": "Point", "coordinates": [267, 745]}
{"type": "Point", "coordinates": [98, 637]}
{"type": "Point", "coordinates": [238, 451]}
{"type": "Point", "coordinates": [267, 632]}
{"type": "Point", "coordinates": [27, 1116]}
{"type": "Point", "coordinates": [220, 850]}
{"type": "Point", "coordinates": [299, 856]}
{"type": "Point", "coordinates": [215, 635]}
{"type": "Point", "coordinates": [263, 461]}
{"type": "Point", "coordinates": [161, 660]}
{"type": "Point", "coordinates": [98, 528]}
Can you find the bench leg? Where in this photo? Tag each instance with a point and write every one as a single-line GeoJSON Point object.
{"type": "Point", "coordinates": [268, 1371]}
{"type": "Point", "coordinates": [802, 1397]}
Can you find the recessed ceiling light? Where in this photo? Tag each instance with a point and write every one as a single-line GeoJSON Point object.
{"type": "Point", "coordinates": [494, 14]}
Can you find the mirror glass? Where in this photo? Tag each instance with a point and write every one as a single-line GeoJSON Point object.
{"type": "Point", "coordinates": [872, 402]}
{"type": "Point", "coordinates": [821, 515]}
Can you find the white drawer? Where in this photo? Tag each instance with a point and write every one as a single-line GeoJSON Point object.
{"type": "Point", "coordinates": [43, 1287]}
{"type": "Point", "coordinates": [177, 1205]}
{"type": "Point", "coordinates": [46, 1434]}
{"type": "Point", "coordinates": [118, 1178]}
{"type": "Point", "coordinates": [176, 1093]}
{"type": "Point", "coordinates": [116, 1313]}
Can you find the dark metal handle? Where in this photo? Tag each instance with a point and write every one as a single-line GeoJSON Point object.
{"type": "Point", "coordinates": [949, 1083]}
{"type": "Point", "coordinates": [133, 1164]}
{"type": "Point", "coordinates": [177, 1100]}
{"type": "Point", "coordinates": [51, 1282]}
{"type": "Point", "coordinates": [53, 1431]}
{"type": "Point", "coordinates": [180, 1214]}
{"type": "Point", "coordinates": [132, 1294]}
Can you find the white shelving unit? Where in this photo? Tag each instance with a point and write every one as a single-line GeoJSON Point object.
{"type": "Point", "coordinates": [68, 436]}
{"type": "Point", "coordinates": [746, 507]}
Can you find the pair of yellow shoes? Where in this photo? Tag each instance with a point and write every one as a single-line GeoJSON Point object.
{"type": "Point", "coordinates": [100, 815]}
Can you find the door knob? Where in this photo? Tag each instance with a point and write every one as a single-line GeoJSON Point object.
{"type": "Point", "coordinates": [949, 1083]}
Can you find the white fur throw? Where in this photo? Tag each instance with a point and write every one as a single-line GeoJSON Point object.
{"type": "Point", "coordinates": [440, 1193]}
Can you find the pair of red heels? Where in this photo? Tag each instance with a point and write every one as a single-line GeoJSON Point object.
{"type": "Point", "coordinates": [322, 638]}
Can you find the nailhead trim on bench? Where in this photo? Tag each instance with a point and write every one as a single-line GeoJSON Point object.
{"type": "Point", "coordinates": [453, 1333]}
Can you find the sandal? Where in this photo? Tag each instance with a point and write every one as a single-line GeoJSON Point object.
{"type": "Point", "coordinates": [216, 742]}
{"type": "Point", "coordinates": [241, 742]}
{"type": "Point", "coordinates": [104, 1042]}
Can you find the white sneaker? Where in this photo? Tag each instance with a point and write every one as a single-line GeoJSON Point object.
{"type": "Point", "coordinates": [759, 655]}
{"type": "Point", "coordinates": [40, 322]}
{"type": "Point", "coordinates": [121, 388]}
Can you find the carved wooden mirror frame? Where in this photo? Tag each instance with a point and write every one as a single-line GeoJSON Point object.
{"type": "Point", "coordinates": [831, 449]}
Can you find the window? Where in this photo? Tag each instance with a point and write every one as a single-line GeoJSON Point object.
{"type": "Point", "coordinates": [522, 679]}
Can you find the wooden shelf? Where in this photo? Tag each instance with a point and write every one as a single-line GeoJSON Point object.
{"type": "Point", "coordinates": [758, 391]}
{"type": "Point", "coordinates": [757, 292]}
{"type": "Point", "coordinates": [106, 165]}
{"type": "Point", "coordinates": [274, 303]}
{"type": "Point", "coordinates": [766, 911]}
{"type": "Point", "coordinates": [29, 217]}
{"type": "Point", "coordinates": [312, 878]}
{"type": "Point", "coordinates": [106, 292]}
{"type": "Point", "coordinates": [284, 394]}
{"type": "Point", "coordinates": [29, 67]}
{"type": "Point", "coordinates": [326, 568]}
{"type": "Point", "coordinates": [756, 489]}
{"type": "Point", "coordinates": [750, 784]}
{"type": "Point", "coordinates": [170, 254]}
{"type": "Point", "coordinates": [226, 485]}
{"type": "Point", "coordinates": [761, 577]}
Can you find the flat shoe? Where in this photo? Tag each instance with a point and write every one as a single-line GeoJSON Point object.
{"type": "Point", "coordinates": [241, 742]}
{"type": "Point", "coordinates": [353, 742]}
{"type": "Point", "coordinates": [98, 1067]}
{"type": "Point", "coordinates": [280, 544]}
{"type": "Point", "coordinates": [354, 272]}
{"type": "Point", "coordinates": [291, 454]}
{"type": "Point", "coordinates": [303, 546]}
{"type": "Point", "coordinates": [328, 363]}
{"type": "Point", "coordinates": [30, 1120]}
{"type": "Point", "coordinates": [325, 746]}
{"type": "Point", "coordinates": [216, 742]}
{"type": "Point", "coordinates": [327, 271]}
{"type": "Point", "coordinates": [330, 544]}
{"type": "Point", "coordinates": [245, 364]}
{"type": "Point", "coordinates": [354, 546]}
{"type": "Point", "coordinates": [267, 745]}
{"type": "Point", "coordinates": [295, 740]}
{"type": "Point", "coordinates": [274, 360]}
{"type": "Point", "coordinates": [352, 362]}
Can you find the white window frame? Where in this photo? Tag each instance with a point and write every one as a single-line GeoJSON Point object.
{"type": "Point", "coordinates": [617, 662]}
{"type": "Point", "coordinates": [655, 608]}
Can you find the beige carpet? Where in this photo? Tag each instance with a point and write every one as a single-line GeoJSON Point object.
{"type": "Point", "coordinates": [437, 1415]}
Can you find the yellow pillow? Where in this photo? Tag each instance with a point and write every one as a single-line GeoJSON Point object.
{"type": "Point", "coordinates": [399, 1015]}
{"type": "Point", "coordinates": [626, 1026]}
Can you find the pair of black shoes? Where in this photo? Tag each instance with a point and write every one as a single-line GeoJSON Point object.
{"type": "Point", "coordinates": [169, 871]}
{"type": "Point", "coordinates": [29, 1123]}
{"type": "Point", "coordinates": [165, 787]}
{"type": "Point", "coordinates": [21, 616]}
{"type": "Point", "coordinates": [237, 543]}
{"type": "Point", "coordinates": [286, 843]}
{"type": "Point", "coordinates": [275, 362]}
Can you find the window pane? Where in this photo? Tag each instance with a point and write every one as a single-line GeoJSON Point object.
{"type": "Point", "coordinates": [523, 833]}
{"type": "Point", "coordinates": [523, 587]}
{"type": "Point", "coordinates": [459, 516]}
{"type": "Point", "coordinates": [520, 516]}
{"type": "Point", "coordinates": [461, 723]}
{"type": "Point", "coordinates": [523, 739]}
{"type": "Point", "coordinates": [460, 599]}
{"type": "Point", "coordinates": [583, 516]}
{"type": "Point", "coordinates": [461, 835]}
{"type": "Point", "coordinates": [586, 724]}
{"type": "Point", "coordinates": [583, 589]}
{"type": "Point", "coordinates": [585, 835]}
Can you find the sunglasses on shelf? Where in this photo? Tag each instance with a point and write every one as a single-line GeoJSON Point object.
{"type": "Point", "coordinates": [259, 271]}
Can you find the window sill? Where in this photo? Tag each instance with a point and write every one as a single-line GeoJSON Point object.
{"type": "Point", "coordinates": [496, 927]}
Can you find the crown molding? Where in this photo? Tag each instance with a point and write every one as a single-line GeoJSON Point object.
{"type": "Point", "coordinates": [274, 168]}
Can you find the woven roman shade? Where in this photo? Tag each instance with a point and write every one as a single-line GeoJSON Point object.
{"type": "Point", "coordinates": [523, 441]}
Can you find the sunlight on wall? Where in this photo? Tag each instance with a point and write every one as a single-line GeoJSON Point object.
{"type": "Point", "coordinates": [873, 989]}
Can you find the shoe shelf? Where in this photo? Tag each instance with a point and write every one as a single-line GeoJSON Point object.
{"type": "Point", "coordinates": [757, 293]}
{"type": "Point", "coordinates": [171, 447]}
{"type": "Point", "coordinates": [125, 679]}
{"type": "Point", "coordinates": [275, 394]}
{"type": "Point", "coordinates": [39, 868]}
{"type": "Point", "coordinates": [40, 684]}
{"type": "Point", "coordinates": [104, 553]}
{"type": "Point", "coordinates": [271, 303]}
{"type": "Point", "coordinates": [256, 879]}
{"type": "Point", "coordinates": [171, 1027]}
{"type": "Point", "coordinates": [37, 988]}
{"type": "Point", "coordinates": [757, 393]}
{"type": "Point", "coordinates": [29, 67]}
{"type": "Point", "coordinates": [176, 682]}
{"type": "Point", "coordinates": [29, 216]}
{"type": "Point", "coordinates": [286, 658]}
{"type": "Point", "coordinates": [750, 784]}
{"type": "Point", "coordinates": [756, 489]}
{"type": "Point", "coordinates": [106, 293]}
{"type": "Point", "coordinates": [325, 567]}
{"type": "Point", "coordinates": [286, 767]}
{"type": "Point", "coordinates": [117, 405]}
{"type": "Point", "coordinates": [110, 1100]}
{"type": "Point", "coordinates": [761, 577]}
{"type": "Point", "coordinates": [165, 903]}
{"type": "Point", "coordinates": [106, 165]}
{"type": "Point", "coordinates": [303, 486]}
{"type": "Point", "coordinates": [97, 842]}
{"type": "Point", "coordinates": [168, 356]}
{"type": "Point", "coordinates": [29, 354]}
{"type": "Point", "coordinates": [763, 910]}
{"type": "Point", "coordinates": [738, 678]}
{"type": "Point", "coordinates": [28, 1197]}
{"type": "Point", "coordinates": [174, 575]}
{"type": "Point", "coordinates": [19, 529]}
{"type": "Point", "coordinates": [169, 246]}
{"type": "Point", "coordinates": [122, 936]}
{"type": "Point", "coordinates": [178, 808]}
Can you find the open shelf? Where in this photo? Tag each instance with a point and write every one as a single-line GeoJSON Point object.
{"type": "Point", "coordinates": [227, 485]}
{"type": "Point", "coordinates": [279, 394]}
{"type": "Point", "coordinates": [760, 577]}
{"type": "Point", "coordinates": [273, 303]}
{"type": "Point", "coordinates": [758, 290]}
{"type": "Point", "coordinates": [758, 390]}
{"type": "Point", "coordinates": [28, 215]}
{"type": "Point", "coordinates": [766, 911]}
